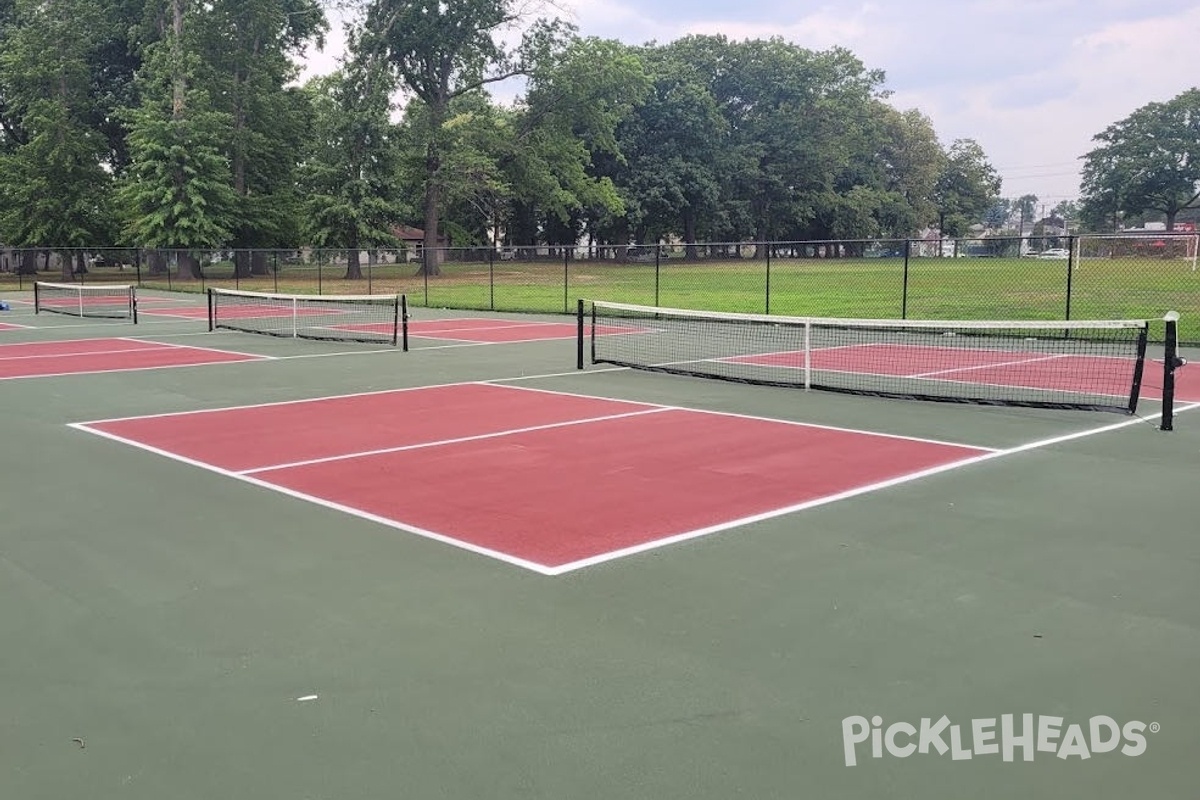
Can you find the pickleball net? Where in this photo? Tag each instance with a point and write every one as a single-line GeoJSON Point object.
{"type": "Point", "coordinates": [1092, 365]}
{"type": "Point", "coordinates": [380, 319]}
{"type": "Point", "coordinates": [99, 300]}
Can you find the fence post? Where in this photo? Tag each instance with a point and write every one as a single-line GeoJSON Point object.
{"type": "Point", "coordinates": [768, 303]}
{"type": "Point", "coordinates": [1070, 270]}
{"type": "Point", "coordinates": [566, 281]}
{"type": "Point", "coordinates": [492, 279]}
{"type": "Point", "coordinates": [657, 278]}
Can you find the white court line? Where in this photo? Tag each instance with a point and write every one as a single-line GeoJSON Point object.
{"type": "Point", "coordinates": [1031, 360]}
{"type": "Point", "coordinates": [860, 490]}
{"type": "Point", "coordinates": [221, 350]}
{"type": "Point", "coordinates": [795, 423]}
{"type": "Point", "coordinates": [457, 440]}
{"type": "Point", "coordinates": [76, 354]}
{"type": "Point", "coordinates": [354, 512]}
{"type": "Point", "coordinates": [986, 455]}
{"type": "Point", "coordinates": [123, 369]}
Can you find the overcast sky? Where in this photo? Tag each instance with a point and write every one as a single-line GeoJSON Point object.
{"type": "Point", "coordinates": [1031, 80]}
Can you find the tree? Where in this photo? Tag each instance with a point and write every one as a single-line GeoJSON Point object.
{"type": "Point", "coordinates": [53, 188]}
{"type": "Point", "coordinates": [672, 148]}
{"type": "Point", "coordinates": [441, 51]}
{"type": "Point", "coordinates": [577, 98]}
{"type": "Point", "coordinates": [350, 176]}
{"type": "Point", "coordinates": [1147, 162]}
{"type": "Point", "coordinates": [245, 48]}
{"type": "Point", "coordinates": [966, 189]}
{"type": "Point", "coordinates": [177, 191]}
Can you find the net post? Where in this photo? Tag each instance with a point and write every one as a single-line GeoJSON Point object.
{"type": "Point", "coordinates": [402, 322]}
{"type": "Point", "coordinates": [1171, 362]}
{"type": "Point", "coordinates": [579, 333]}
{"type": "Point", "coordinates": [37, 304]}
{"type": "Point", "coordinates": [211, 317]}
{"type": "Point", "coordinates": [133, 309]}
{"type": "Point", "coordinates": [295, 318]}
{"type": "Point", "coordinates": [1139, 368]}
{"type": "Point", "coordinates": [593, 333]}
{"type": "Point", "coordinates": [807, 355]}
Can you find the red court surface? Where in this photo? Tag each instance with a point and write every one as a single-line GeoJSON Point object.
{"type": "Point", "coordinates": [1088, 374]}
{"type": "Point", "coordinates": [45, 359]}
{"type": "Point", "coordinates": [548, 481]}
{"type": "Point", "coordinates": [12, 326]}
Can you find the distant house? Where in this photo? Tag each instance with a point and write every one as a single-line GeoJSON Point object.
{"type": "Point", "coordinates": [413, 240]}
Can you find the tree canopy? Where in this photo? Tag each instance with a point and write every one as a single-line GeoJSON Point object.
{"type": "Point", "coordinates": [1149, 161]}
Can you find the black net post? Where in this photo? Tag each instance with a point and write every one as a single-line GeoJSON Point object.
{"type": "Point", "coordinates": [37, 305]}
{"type": "Point", "coordinates": [210, 310]}
{"type": "Point", "coordinates": [402, 322]}
{"type": "Point", "coordinates": [133, 304]}
{"type": "Point", "coordinates": [1171, 362]}
{"type": "Point", "coordinates": [579, 334]}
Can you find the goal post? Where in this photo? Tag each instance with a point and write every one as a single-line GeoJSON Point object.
{"type": "Point", "coordinates": [1150, 246]}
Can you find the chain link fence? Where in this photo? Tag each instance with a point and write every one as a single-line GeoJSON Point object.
{"type": "Point", "coordinates": [1081, 277]}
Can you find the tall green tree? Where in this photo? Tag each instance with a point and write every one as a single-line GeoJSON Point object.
{"type": "Point", "coordinates": [576, 100]}
{"type": "Point", "coordinates": [1147, 162]}
{"type": "Point", "coordinates": [672, 148]}
{"type": "Point", "coordinates": [794, 117]}
{"type": "Point", "coordinates": [441, 51]}
{"type": "Point", "coordinates": [53, 191]}
{"type": "Point", "coordinates": [177, 192]}
{"type": "Point", "coordinates": [248, 50]}
{"type": "Point", "coordinates": [350, 177]}
{"type": "Point", "coordinates": [967, 187]}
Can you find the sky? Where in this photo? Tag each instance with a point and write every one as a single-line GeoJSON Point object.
{"type": "Point", "coordinates": [1031, 80]}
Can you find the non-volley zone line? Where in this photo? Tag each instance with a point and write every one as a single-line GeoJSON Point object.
{"type": "Point", "coordinates": [549, 481]}
{"type": "Point", "coordinates": [119, 354]}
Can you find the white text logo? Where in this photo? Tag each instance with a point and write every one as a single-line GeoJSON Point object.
{"type": "Point", "coordinates": [1027, 734]}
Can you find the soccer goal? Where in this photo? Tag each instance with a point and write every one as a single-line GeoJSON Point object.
{"type": "Point", "coordinates": [1152, 246]}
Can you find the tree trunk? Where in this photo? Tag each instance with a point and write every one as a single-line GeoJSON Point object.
{"type": "Point", "coordinates": [189, 267]}
{"type": "Point", "coordinates": [689, 235]}
{"type": "Point", "coordinates": [353, 266]}
{"type": "Point", "coordinates": [157, 262]}
{"type": "Point", "coordinates": [241, 264]}
{"type": "Point", "coordinates": [258, 263]}
{"type": "Point", "coordinates": [430, 257]}
{"type": "Point", "coordinates": [28, 264]}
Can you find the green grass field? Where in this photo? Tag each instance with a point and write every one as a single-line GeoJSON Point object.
{"type": "Point", "coordinates": [934, 288]}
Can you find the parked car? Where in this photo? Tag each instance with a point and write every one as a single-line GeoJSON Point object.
{"type": "Point", "coordinates": [1055, 252]}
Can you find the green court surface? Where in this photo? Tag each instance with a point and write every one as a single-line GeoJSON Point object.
{"type": "Point", "coordinates": [169, 630]}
